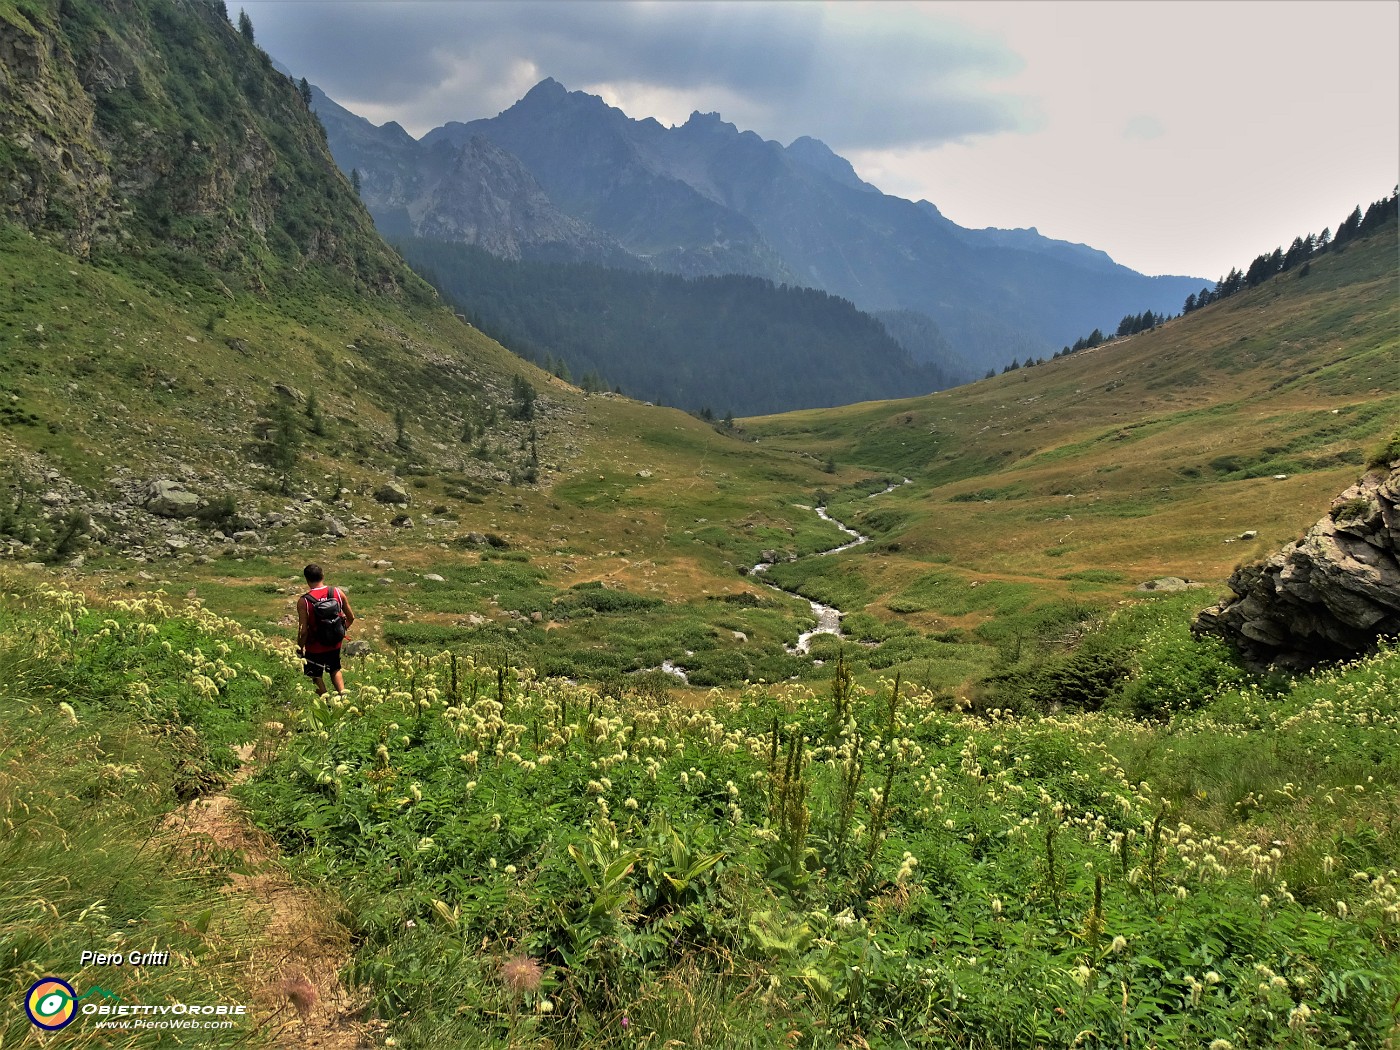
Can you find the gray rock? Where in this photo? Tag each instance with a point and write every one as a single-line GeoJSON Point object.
{"type": "Point", "coordinates": [1168, 585]}
{"type": "Point", "coordinates": [475, 619]}
{"type": "Point", "coordinates": [1250, 534]}
{"type": "Point", "coordinates": [244, 536]}
{"type": "Point", "coordinates": [359, 647]}
{"type": "Point", "coordinates": [336, 528]}
{"type": "Point", "coordinates": [381, 564]}
{"type": "Point", "coordinates": [434, 577]}
{"type": "Point", "coordinates": [740, 636]}
{"type": "Point", "coordinates": [402, 521]}
{"type": "Point", "coordinates": [391, 492]}
{"type": "Point", "coordinates": [1328, 596]}
{"type": "Point", "coordinates": [170, 499]}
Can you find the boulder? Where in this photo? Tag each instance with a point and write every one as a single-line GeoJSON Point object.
{"type": "Point", "coordinates": [434, 577]}
{"type": "Point", "coordinates": [391, 492]}
{"type": "Point", "coordinates": [359, 647]}
{"type": "Point", "coordinates": [1168, 585]}
{"type": "Point", "coordinates": [170, 499]}
{"type": "Point", "coordinates": [1330, 595]}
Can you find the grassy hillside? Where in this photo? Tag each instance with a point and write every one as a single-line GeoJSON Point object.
{"type": "Point", "coordinates": [114, 379]}
{"type": "Point", "coordinates": [1150, 456]}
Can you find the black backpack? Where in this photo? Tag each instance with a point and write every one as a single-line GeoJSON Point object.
{"type": "Point", "coordinates": [327, 618]}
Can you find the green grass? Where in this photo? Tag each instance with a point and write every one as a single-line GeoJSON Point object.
{"type": "Point", "coordinates": [110, 718]}
{"type": "Point", "coordinates": [648, 868]}
{"type": "Point", "coordinates": [951, 595]}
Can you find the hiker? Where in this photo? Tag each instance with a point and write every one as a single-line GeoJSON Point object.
{"type": "Point", "coordinates": [323, 617]}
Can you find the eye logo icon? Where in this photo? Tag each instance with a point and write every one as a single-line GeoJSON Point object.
{"type": "Point", "coordinates": [51, 1003]}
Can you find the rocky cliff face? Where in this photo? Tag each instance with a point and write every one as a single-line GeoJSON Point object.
{"type": "Point", "coordinates": [153, 126]}
{"type": "Point", "coordinates": [1329, 596]}
{"type": "Point", "coordinates": [53, 171]}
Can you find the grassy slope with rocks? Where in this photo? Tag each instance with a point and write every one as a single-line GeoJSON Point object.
{"type": "Point", "coordinates": [284, 369]}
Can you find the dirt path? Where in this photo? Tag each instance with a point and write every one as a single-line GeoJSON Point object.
{"type": "Point", "coordinates": [294, 964]}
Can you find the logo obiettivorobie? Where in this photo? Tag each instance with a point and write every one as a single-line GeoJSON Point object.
{"type": "Point", "coordinates": [51, 1003]}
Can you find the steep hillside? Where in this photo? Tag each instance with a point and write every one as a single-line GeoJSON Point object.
{"type": "Point", "coordinates": [154, 130]}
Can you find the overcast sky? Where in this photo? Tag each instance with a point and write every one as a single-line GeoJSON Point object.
{"type": "Point", "coordinates": [1180, 137]}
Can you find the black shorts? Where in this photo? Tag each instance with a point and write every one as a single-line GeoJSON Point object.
{"type": "Point", "coordinates": [318, 665]}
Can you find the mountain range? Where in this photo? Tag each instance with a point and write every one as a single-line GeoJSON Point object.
{"type": "Point", "coordinates": [563, 176]}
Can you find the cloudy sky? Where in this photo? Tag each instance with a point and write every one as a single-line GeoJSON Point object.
{"type": "Point", "coordinates": [1180, 137]}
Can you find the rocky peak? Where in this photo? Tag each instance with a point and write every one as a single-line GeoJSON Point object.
{"type": "Point", "coordinates": [547, 91]}
{"type": "Point", "coordinates": [1329, 596]}
{"type": "Point", "coordinates": [818, 156]}
{"type": "Point", "coordinates": [709, 123]}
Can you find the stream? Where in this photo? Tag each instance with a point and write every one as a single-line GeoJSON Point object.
{"type": "Point", "coordinates": [828, 616]}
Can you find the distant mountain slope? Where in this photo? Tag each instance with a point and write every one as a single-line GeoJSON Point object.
{"type": "Point", "coordinates": [705, 197]}
{"type": "Point", "coordinates": [471, 193]}
{"type": "Point", "coordinates": [734, 344]}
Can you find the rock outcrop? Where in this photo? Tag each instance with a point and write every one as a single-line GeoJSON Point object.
{"type": "Point", "coordinates": [1331, 595]}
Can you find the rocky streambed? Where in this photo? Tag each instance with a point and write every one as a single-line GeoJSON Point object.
{"type": "Point", "coordinates": [828, 616]}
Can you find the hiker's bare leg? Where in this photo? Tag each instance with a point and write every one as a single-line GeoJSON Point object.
{"type": "Point", "coordinates": [339, 681]}
{"type": "Point", "coordinates": [320, 686]}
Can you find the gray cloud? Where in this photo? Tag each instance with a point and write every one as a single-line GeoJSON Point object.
{"type": "Point", "coordinates": [859, 77]}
